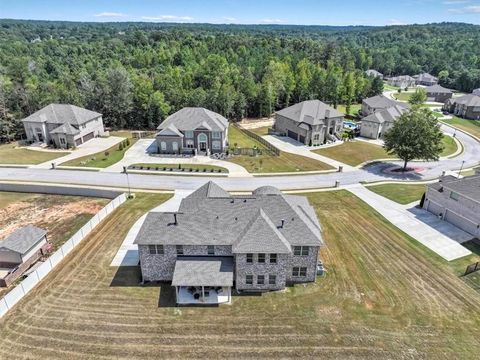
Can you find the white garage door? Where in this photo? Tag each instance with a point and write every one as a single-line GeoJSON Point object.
{"type": "Point", "coordinates": [434, 208]}
{"type": "Point", "coordinates": [461, 222]}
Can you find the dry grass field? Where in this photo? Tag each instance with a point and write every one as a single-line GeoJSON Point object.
{"type": "Point", "coordinates": [384, 297]}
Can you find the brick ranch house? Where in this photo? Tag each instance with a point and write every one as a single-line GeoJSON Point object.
{"type": "Point", "coordinates": [216, 241]}
{"type": "Point", "coordinates": [63, 126]}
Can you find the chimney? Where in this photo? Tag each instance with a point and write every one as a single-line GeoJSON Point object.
{"type": "Point", "coordinates": [175, 219]}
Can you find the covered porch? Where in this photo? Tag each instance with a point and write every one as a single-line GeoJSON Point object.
{"type": "Point", "coordinates": [203, 280]}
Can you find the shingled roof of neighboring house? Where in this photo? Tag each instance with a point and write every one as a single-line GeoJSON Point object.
{"type": "Point", "coordinates": [66, 129]}
{"type": "Point", "coordinates": [425, 77]}
{"type": "Point", "coordinates": [468, 100]}
{"type": "Point", "coordinates": [383, 102]}
{"type": "Point", "coordinates": [389, 114]}
{"type": "Point", "coordinates": [372, 72]}
{"type": "Point", "coordinates": [311, 112]}
{"type": "Point", "coordinates": [468, 186]}
{"type": "Point", "coordinates": [401, 78]}
{"type": "Point", "coordinates": [211, 216]}
{"type": "Point", "coordinates": [191, 118]}
{"type": "Point", "coordinates": [61, 114]}
{"type": "Point", "coordinates": [23, 239]}
{"type": "Point", "coordinates": [437, 89]}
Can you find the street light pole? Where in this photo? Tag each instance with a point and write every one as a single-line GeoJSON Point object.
{"type": "Point", "coordinates": [128, 181]}
{"type": "Point", "coordinates": [461, 168]}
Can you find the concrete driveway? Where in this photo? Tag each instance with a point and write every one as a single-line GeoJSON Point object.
{"type": "Point", "coordinates": [439, 236]}
{"type": "Point", "coordinates": [90, 147]}
{"type": "Point", "coordinates": [140, 152]}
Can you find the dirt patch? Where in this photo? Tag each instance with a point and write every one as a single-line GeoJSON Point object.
{"type": "Point", "coordinates": [256, 123]}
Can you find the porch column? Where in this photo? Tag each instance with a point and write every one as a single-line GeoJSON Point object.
{"type": "Point", "coordinates": [229, 294]}
{"type": "Point", "coordinates": [176, 294]}
{"type": "Point", "coordinates": [203, 294]}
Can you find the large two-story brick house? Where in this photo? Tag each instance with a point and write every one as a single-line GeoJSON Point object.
{"type": "Point", "coordinates": [217, 241]}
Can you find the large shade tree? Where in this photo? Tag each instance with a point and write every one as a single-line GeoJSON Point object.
{"type": "Point", "coordinates": [415, 135]}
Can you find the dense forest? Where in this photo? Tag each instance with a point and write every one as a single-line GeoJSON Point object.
{"type": "Point", "coordinates": [136, 74]}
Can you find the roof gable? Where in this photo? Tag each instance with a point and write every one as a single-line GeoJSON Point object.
{"type": "Point", "coordinates": [310, 112]}
{"type": "Point", "coordinates": [191, 118]}
{"type": "Point", "coordinates": [23, 239]}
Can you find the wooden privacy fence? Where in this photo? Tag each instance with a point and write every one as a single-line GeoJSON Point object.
{"type": "Point", "coordinates": [24, 287]}
{"type": "Point", "coordinates": [472, 268]}
{"type": "Point", "coordinates": [269, 147]}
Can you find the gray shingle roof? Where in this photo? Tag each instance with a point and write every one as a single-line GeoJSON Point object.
{"type": "Point", "coordinates": [382, 102]}
{"type": "Point", "coordinates": [401, 78]}
{"type": "Point", "coordinates": [267, 190]}
{"type": "Point", "coordinates": [210, 217]}
{"type": "Point", "coordinates": [261, 236]}
{"type": "Point", "coordinates": [170, 130]}
{"type": "Point", "coordinates": [312, 112]}
{"type": "Point", "coordinates": [203, 271]}
{"type": "Point", "coordinates": [61, 114]}
{"type": "Point", "coordinates": [66, 129]}
{"type": "Point", "coordinates": [389, 114]}
{"type": "Point", "coordinates": [426, 77]}
{"type": "Point", "coordinates": [372, 72]}
{"type": "Point", "coordinates": [191, 118]}
{"type": "Point", "coordinates": [468, 100]}
{"type": "Point", "coordinates": [434, 89]}
{"type": "Point", "coordinates": [468, 186]}
{"type": "Point", "coordinates": [23, 239]}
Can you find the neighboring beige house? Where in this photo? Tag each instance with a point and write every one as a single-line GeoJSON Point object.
{"type": "Point", "coordinates": [310, 122]}
{"type": "Point", "coordinates": [374, 126]}
{"type": "Point", "coordinates": [374, 73]}
{"type": "Point", "coordinates": [403, 81]}
{"type": "Point", "coordinates": [380, 102]}
{"type": "Point", "coordinates": [63, 126]}
{"type": "Point", "coordinates": [425, 79]}
{"type": "Point", "coordinates": [467, 106]}
{"type": "Point", "coordinates": [438, 93]}
{"type": "Point", "coordinates": [456, 201]}
{"type": "Point", "coordinates": [19, 251]}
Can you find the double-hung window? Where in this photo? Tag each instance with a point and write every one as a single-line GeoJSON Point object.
{"type": "Point", "coordinates": [155, 249]}
{"type": "Point", "coordinates": [189, 134]}
{"type": "Point", "coordinates": [299, 271]}
{"type": "Point", "coordinates": [249, 279]}
{"type": "Point", "coordinates": [272, 279]}
{"type": "Point", "coordinates": [261, 258]}
{"type": "Point", "coordinates": [260, 279]}
{"type": "Point", "coordinates": [216, 135]}
{"type": "Point", "coordinates": [249, 258]}
{"type": "Point", "coordinates": [179, 249]}
{"type": "Point", "coordinates": [300, 250]}
{"type": "Point", "coordinates": [211, 250]}
{"type": "Point", "coordinates": [273, 258]}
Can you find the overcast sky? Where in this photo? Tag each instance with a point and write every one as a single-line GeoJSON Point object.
{"type": "Point", "coordinates": [308, 12]}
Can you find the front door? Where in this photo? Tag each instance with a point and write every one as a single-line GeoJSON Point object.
{"type": "Point", "coordinates": [203, 146]}
{"type": "Point", "coordinates": [202, 142]}
{"type": "Point", "coordinates": [40, 137]}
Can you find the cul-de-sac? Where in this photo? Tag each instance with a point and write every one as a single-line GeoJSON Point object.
{"type": "Point", "coordinates": [218, 179]}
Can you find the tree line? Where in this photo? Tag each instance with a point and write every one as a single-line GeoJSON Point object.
{"type": "Point", "coordinates": [136, 74]}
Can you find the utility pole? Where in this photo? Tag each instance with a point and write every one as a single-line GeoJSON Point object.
{"type": "Point", "coordinates": [128, 181]}
{"type": "Point", "coordinates": [461, 168]}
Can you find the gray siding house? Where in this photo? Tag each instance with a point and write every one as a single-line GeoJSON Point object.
{"type": "Point", "coordinates": [193, 130]}
{"type": "Point", "coordinates": [376, 125]}
{"type": "Point", "coordinates": [310, 122]}
{"type": "Point", "coordinates": [425, 79]}
{"type": "Point", "coordinates": [467, 106]}
{"type": "Point", "coordinates": [456, 201]}
{"type": "Point", "coordinates": [438, 93]}
{"type": "Point", "coordinates": [380, 102]}
{"type": "Point", "coordinates": [217, 242]}
{"type": "Point", "coordinates": [63, 126]}
{"type": "Point", "coordinates": [402, 81]}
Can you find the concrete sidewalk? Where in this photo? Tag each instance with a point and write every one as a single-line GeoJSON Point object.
{"type": "Point", "coordinates": [127, 255]}
{"type": "Point", "coordinates": [439, 236]}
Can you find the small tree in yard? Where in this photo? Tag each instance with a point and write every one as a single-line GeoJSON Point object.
{"type": "Point", "coordinates": [415, 135]}
{"type": "Point", "coordinates": [418, 97]}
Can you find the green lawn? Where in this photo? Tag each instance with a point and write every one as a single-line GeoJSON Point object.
{"type": "Point", "coordinates": [354, 108]}
{"type": "Point", "coordinates": [261, 131]}
{"type": "Point", "coordinates": [100, 159]}
{"type": "Point", "coordinates": [9, 154]}
{"type": "Point", "coordinates": [354, 152]}
{"type": "Point", "coordinates": [265, 163]}
{"type": "Point", "coordinates": [185, 167]}
{"type": "Point", "coordinates": [469, 126]}
{"type": "Point", "coordinates": [403, 96]}
{"type": "Point", "coordinates": [400, 193]}
{"type": "Point", "coordinates": [450, 146]}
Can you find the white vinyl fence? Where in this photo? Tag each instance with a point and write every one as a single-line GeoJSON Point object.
{"type": "Point", "coordinates": [16, 294]}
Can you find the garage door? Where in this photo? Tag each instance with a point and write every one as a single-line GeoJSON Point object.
{"type": "Point", "coordinates": [461, 222]}
{"type": "Point", "coordinates": [88, 137]}
{"type": "Point", "coordinates": [78, 142]}
{"type": "Point", "coordinates": [292, 135]}
{"type": "Point", "coordinates": [434, 208]}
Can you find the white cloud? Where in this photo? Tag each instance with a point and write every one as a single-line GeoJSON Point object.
{"type": "Point", "coordinates": [231, 19]}
{"type": "Point", "coordinates": [110, 14]}
{"type": "Point", "coordinates": [474, 9]}
{"type": "Point", "coordinates": [455, 2]}
{"type": "Point", "coordinates": [173, 18]}
{"type": "Point", "coordinates": [272, 21]}
{"type": "Point", "coordinates": [395, 22]}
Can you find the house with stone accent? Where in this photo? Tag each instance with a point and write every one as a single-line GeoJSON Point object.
{"type": "Point", "coordinates": [63, 126]}
{"type": "Point", "coordinates": [456, 201]}
{"type": "Point", "coordinates": [310, 122]}
{"type": "Point", "coordinates": [425, 79]}
{"type": "Point", "coordinates": [380, 102]}
{"type": "Point", "coordinates": [193, 130]}
{"type": "Point", "coordinates": [217, 242]}
{"type": "Point", "coordinates": [438, 93]}
{"type": "Point", "coordinates": [377, 124]}
{"type": "Point", "coordinates": [467, 106]}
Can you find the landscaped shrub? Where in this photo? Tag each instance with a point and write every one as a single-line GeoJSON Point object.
{"type": "Point", "coordinates": [127, 141]}
{"type": "Point", "coordinates": [120, 147]}
{"type": "Point", "coordinates": [107, 153]}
